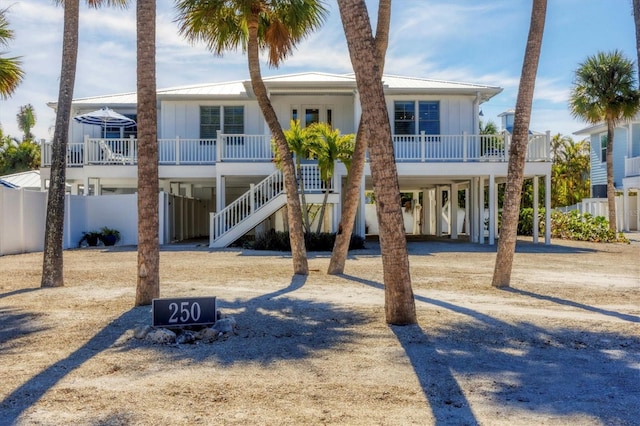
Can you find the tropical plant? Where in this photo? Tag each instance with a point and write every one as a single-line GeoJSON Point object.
{"type": "Point", "coordinates": [298, 142]}
{"type": "Point", "coordinates": [518, 149]}
{"type": "Point", "coordinates": [327, 145]}
{"type": "Point", "coordinates": [354, 179]}
{"type": "Point", "coordinates": [26, 119]}
{"type": "Point", "coordinates": [52, 264]}
{"type": "Point", "coordinates": [92, 238]}
{"type": "Point", "coordinates": [605, 90]}
{"type": "Point", "coordinates": [148, 276]}
{"type": "Point", "coordinates": [11, 73]}
{"type": "Point", "coordinates": [569, 171]}
{"type": "Point", "coordinates": [109, 236]}
{"type": "Point", "coordinates": [255, 25]}
{"type": "Point", "coordinates": [18, 157]}
{"type": "Point", "coordinates": [399, 302]}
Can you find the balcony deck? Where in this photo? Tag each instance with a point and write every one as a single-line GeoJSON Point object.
{"type": "Point", "coordinates": [257, 148]}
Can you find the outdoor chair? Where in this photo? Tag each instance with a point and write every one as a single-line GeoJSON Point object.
{"type": "Point", "coordinates": [110, 156]}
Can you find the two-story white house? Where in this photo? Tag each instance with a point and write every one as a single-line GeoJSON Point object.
{"type": "Point", "coordinates": [626, 168]}
{"type": "Point", "coordinates": [215, 150]}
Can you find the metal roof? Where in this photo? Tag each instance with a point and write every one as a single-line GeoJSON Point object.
{"type": "Point", "coordinates": [27, 180]}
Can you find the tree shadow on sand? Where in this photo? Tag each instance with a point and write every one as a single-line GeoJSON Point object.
{"type": "Point", "coordinates": [559, 372]}
{"type": "Point", "coordinates": [16, 324]}
{"type": "Point", "coordinates": [273, 327]}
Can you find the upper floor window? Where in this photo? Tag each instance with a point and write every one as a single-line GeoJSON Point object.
{"type": "Point", "coordinates": [118, 132]}
{"type": "Point", "coordinates": [603, 147]}
{"type": "Point", "coordinates": [228, 119]}
{"type": "Point", "coordinates": [407, 122]}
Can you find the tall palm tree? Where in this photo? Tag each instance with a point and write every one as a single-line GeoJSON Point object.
{"type": "Point", "coordinates": [54, 225]}
{"type": "Point", "coordinates": [518, 151]}
{"type": "Point", "coordinates": [26, 118]}
{"type": "Point", "coordinates": [11, 73]}
{"type": "Point", "coordinates": [148, 276]}
{"type": "Point", "coordinates": [605, 90]}
{"type": "Point", "coordinates": [636, 20]}
{"type": "Point", "coordinates": [328, 146]}
{"type": "Point", "coordinates": [260, 24]}
{"type": "Point", "coordinates": [399, 302]}
{"type": "Point", "coordinates": [354, 178]}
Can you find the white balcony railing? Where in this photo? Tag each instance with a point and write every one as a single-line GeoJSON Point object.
{"type": "Point", "coordinates": [257, 148]}
{"type": "Point", "coordinates": [631, 166]}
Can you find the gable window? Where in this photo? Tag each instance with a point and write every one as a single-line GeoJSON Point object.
{"type": "Point", "coordinates": [603, 147]}
{"type": "Point", "coordinates": [228, 119]}
{"type": "Point", "coordinates": [407, 122]}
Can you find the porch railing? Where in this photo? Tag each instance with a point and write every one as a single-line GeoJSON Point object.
{"type": "Point", "coordinates": [631, 166]}
{"type": "Point", "coordinates": [257, 148]}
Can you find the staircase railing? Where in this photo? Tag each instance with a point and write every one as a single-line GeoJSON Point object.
{"type": "Point", "coordinates": [246, 205]}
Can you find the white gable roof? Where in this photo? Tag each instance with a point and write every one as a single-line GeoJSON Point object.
{"type": "Point", "coordinates": [308, 82]}
{"type": "Point", "coordinates": [27, 180]}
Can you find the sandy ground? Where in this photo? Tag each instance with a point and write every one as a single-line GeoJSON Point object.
{"type": "Point", "coordinates": [562, 346]}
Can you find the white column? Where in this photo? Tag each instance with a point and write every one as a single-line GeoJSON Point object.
{"type": "Point", "coordinates": [98, 187]}
{"type": "Point", "coordinates": [360, 225]}
{"type": "Point", "coordinates": [492, 210]}
{"type": "Point", "coordinates": [481, 209]}
{"type": "Point", "coordinates": [220, 192]}
{"type": "Point", "coordinates": [625, 209]}
{"type": "Point", "coordinates": [86, 186]}
{"type": "Point", "coordinates": [453, 210]}
{"type": "Point", "coordinates": [467, 222]}
{"type": "Point", "coordinates": [439, 211]}
{"type": "Point", "coordinates": [473, 231]}
{"type": "Point", "coordinates": [336, 208]}
{"type": "Point", "coordinates": [495, 207]}
{"type": "Point", "coordinates": [535, 210]}
{"type": "Point", "coordinates": [547, 209]}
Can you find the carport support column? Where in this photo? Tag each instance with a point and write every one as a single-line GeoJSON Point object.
{"type": "Point", "coordinates": [467, 222]}
{"type": "Point", "coordinates": [439, 211]}
{"type": "Point", "coordinates": [453, 208]}
{"type": "Point", "coordinates": [625, 209]}
{"type": "Point", "coordinates": [492, 210]}
{"type": "Point", "coordinates": [86, 186]}
{"type": "Point", "coordinates": [547, 209]}
{"type": "Point", "coordinates": [220, 193]}
{"type": "Point", "coordinates": [481, 209]}
{"type": "Point", "coordinates": [536, 222]}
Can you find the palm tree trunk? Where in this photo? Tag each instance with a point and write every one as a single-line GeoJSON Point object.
{"type": "Point", "coordinates": [518, 151]}
{"type": "Point", "coordinates": [611, 187]}
{"type": "Point", "coordinates": [303, 196]}
{"type": "Point", "coordinates": [399, 302]}
{"type": "Point", "coordinates": [52, 264]}
{"type": "Point", "coordinates": [296, 234]}
{"type": "Point", "coordinates": [148, 280]}
{"type": "Point", "coordinates": [636, 20]}
{"type": "Point", "coordinates": [350, 204]}
{"type": "Point", "coordinates": [352, 191]}
{"type": "Point", "coordinates": [324, 206]}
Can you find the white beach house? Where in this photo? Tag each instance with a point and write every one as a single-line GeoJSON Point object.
{"type": "Point", "coordinates": [216, 163]}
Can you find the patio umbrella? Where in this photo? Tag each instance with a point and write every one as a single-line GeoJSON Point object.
{"type": "Point", "coordinates": [105, 117]}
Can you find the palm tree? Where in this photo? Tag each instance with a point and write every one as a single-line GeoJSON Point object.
{"type": "Point", "coordinates": [328, 146]}
{"type": "Point", "coordinates": [298, 143]}
{"type": "Point", "coordinates": [26, 118]}
{"type": "Point", "coordinates": [636, 20]}
{"type": "Point", "coordinates": [11, 73]}
{"type": "Point", "coordinates": [148, 276]}
{"type": "Point", "coordinates": [260, 24]}
{"type": "Point", "coordinates": [605, 90]}
{"type": "Point", "coordinates": [54, 224]}
{"type": "Point", "coordinates": [518, 151]}
{"type": "Point", "coordinates": [570, 171]}
{"type": "Point", "coordinates": [399, 302]}
{"type": "Point", "coordinates": [354, 178]}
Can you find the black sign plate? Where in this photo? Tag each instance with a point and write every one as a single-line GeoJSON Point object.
{"type": "Point", "coordinates": [183, 311]}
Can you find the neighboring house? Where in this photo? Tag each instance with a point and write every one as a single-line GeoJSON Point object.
{"type": "Point", "coordinates": [26, 180]}
{"type": "Point", "coordinates": [214, 146]}
{"type": "Point", "coordinates": [626, 167]}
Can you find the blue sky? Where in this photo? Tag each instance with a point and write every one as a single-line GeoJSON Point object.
{"type": "Point", "coordinates": [457, 40]}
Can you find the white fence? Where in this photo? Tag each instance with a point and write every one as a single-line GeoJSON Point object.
{"type": "Point", "coordinates": [23, 213]}
{"type": "Point", "coordinates": [599, 207]}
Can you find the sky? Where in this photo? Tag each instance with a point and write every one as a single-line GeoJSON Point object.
{"type": "Point", "coordinates": [455, 40]}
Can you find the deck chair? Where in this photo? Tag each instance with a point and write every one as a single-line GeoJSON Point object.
{"type": "Point", "coordinates": [110, 156]}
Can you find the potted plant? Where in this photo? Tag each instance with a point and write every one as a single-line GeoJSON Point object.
{"type": "Point", "coordinates": [91, 238]}
{"type": "Point", "coordinates": [109, 236]}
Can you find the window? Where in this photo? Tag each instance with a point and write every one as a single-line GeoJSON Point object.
{"type": "Point", "coordinates": [210, 120]}
{"type": "Point", "coordinates": [603, 147]}
{"type": "Point", "coordinates": [404, 117]}
{"type": "Point", "coordinates": [429, 117]}
{"type": "Point", "coordinates": [330, 118]}
{"type": "Point", "coordinates": [311, 115]}
{"type": "Point", "coordinates": [118, 132]}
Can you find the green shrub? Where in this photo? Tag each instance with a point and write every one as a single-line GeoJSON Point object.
{"type": "Point", "coordinates": [570, 226]}
{"type": "Point", "coordinates": [279, 241]}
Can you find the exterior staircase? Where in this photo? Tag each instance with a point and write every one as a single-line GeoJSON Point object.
{"type": "Point", "coordinates": [247, 211]}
